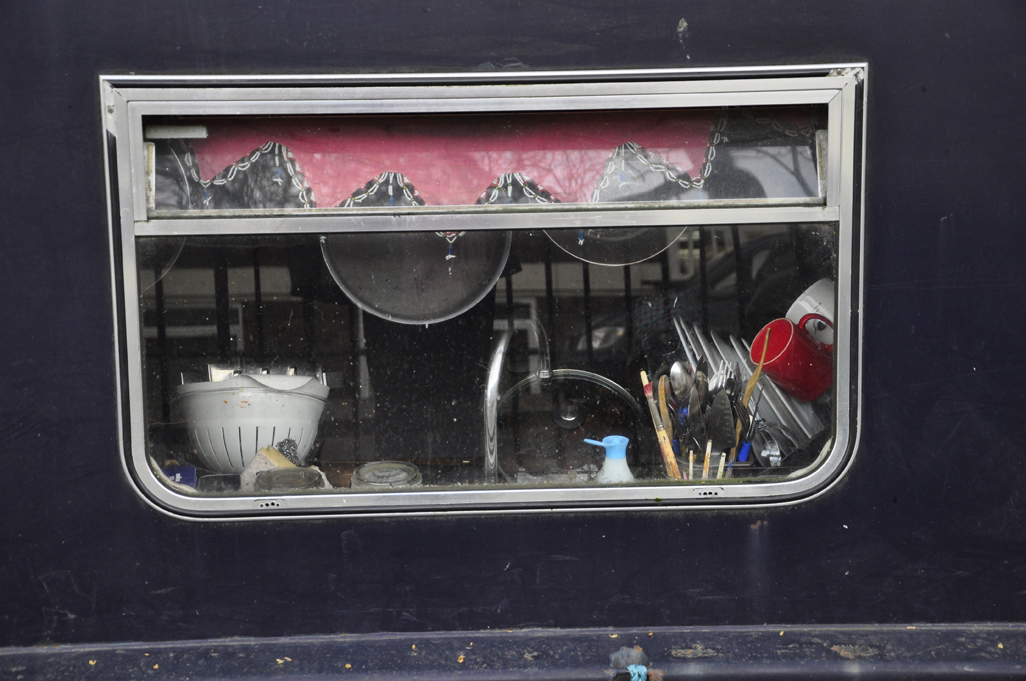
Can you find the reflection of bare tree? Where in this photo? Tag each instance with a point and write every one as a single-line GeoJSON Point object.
{"type": "Point", "coordinates": [632, 173]}
{"type": "Point", "coordinates": [515, 188]}
{"type": "Point", "coordinates": [387, 189]}
{"type": "Point", "coordinates": [629, 171]}
{"type": "Point", "coordinates": [583, 171]}
{"type": "Point", "coordinates": [570, 175]}
{"type": "Point", "coordinates": [267, 177]}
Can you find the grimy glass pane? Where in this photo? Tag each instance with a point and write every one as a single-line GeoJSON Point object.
{"type": "Point", "coordinates": [632, 157]}
{"type": "Point", "coordinates": [348, 363]}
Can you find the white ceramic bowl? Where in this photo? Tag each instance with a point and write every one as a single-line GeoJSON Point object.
{"type": "Point", "coordinates": [230, 421]}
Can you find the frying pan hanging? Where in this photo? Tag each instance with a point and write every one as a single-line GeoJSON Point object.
{"type": "Point", "coordinates": [413, 277]}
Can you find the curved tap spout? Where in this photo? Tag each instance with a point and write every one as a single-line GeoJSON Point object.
{"type": "Point", "coordinates": [491, 395]}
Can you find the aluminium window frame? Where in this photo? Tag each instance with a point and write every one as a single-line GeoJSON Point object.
{"type": "Point", "coordinates": [127, 100]}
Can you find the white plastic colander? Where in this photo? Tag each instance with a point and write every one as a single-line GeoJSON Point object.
{"type": "Point", "coordinates": [229, 421]}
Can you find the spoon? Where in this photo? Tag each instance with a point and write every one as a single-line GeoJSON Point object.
{"type": "Point", "coordinates": [680, 380]}
{"type": "Point", "coordinates": [695, 415]}
{"type": "Point", "coordinates": [702, 386]}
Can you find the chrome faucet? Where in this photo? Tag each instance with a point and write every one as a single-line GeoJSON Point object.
{"type": "Point", "coordinates": [492, 397]}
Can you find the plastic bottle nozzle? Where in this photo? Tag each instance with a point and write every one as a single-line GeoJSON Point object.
{"type": "Point", "coordinates": [615, 467]}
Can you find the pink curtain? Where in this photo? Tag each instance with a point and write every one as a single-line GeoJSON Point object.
{"type": "Point", "coordinates": [451, 160]}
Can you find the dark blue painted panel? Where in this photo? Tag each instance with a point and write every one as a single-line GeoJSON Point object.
{"type": "Point", "coordinates": [927, 527]}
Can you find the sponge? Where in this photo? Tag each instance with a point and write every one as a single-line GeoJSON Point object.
{"type": "Point", "coordinates": [276, 457]}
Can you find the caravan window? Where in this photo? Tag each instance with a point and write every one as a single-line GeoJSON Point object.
{"type": "Point", "coordinates": [571, 291]}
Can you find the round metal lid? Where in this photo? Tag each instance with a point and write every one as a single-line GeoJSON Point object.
{"type": "Point", "coordinates": [281, 479]}
{"type": "Point", "coordinates": [386, 475]}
